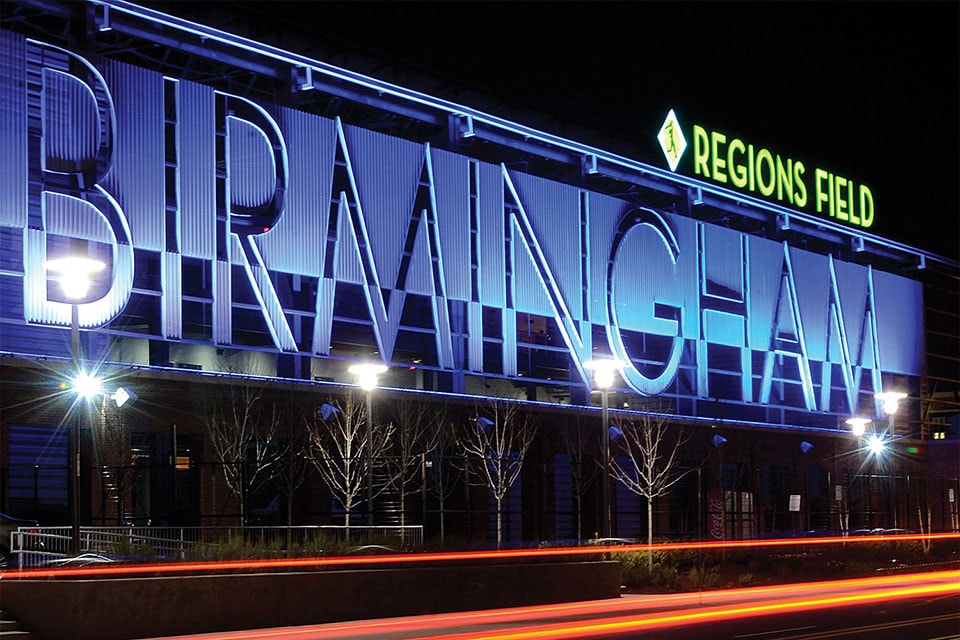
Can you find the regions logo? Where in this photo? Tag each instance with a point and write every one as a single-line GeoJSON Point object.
{"type": "Point", "coordinates": [671, 140]}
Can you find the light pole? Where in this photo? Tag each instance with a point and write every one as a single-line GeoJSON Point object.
{"type": "Point", "coordinates": [367, 378]}
{"type": "Point", "coordinates": [603, 376]}
{"type": "Point", "coordinates": [858, 426]}
{"type": "Point", "coordinates": [891, 403]}
{"type": "Point", "coordinates": [73, 274]}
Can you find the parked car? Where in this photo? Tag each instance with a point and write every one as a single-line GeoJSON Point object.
{"type": "Point", "coordinates": [9, 524]}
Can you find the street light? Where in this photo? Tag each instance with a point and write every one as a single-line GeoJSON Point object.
{"type": "Point", "coordinates": [876, 444]}
{"type": "Point", "coordinates": [891, 400]}
{"type": "Point", "coordinates": [858, 425]}
{"type": "Point", "coordinates": [604, 371]}
{"type": "Point", "coordinates": [367, 378]}
{"type": "Point", "coordinates": [73, 274]}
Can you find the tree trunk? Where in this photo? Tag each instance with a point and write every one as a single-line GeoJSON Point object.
{"type": "Point", "coordinates": [443, 517]}
{"type": "Point", "coordinates": [289, 517]}
{"type": "Point", "coordinates": [650, 532]}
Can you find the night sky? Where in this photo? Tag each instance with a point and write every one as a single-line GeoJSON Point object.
{"type": "Point", "coordinates": [868, 90]}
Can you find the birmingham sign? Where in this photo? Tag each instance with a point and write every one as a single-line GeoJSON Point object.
{"type": "Point", "coordinates": [174, 176]}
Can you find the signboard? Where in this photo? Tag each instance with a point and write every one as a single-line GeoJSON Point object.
{"type": "Point", "coordinates": [225, 222]}
{"type": "Point", "coordinates": [794, 502]}
{"type": "Point", "coordinates": [756, 170]}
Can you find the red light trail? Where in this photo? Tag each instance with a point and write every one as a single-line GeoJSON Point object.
{"type": "Point", "coordinates": [623, 615]}
{"type": "Point", "coordinates": [468, 556]}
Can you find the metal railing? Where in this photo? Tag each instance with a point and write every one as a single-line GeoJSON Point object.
{"type": "Point", "coordinates": [36, 546]}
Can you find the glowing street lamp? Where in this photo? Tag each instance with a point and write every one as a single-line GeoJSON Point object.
{"type": "Point", "coordinates": [74, 273]}
{"type": "Point", "coordinates": [367, 378]}
{"type": "Point", "coordinates": [87, 385]}
{"type": "Point", "coordinates": [859, 425]}
{"type": "Point", "coordinates": [876, 445]}
{"type": "Point", "coordinates": [604, 374]}
{"type": "Point", "coordinates": [891, 400]}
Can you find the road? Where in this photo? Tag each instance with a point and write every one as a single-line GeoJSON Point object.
{"type": "Point", "coordinates": [906, 607]}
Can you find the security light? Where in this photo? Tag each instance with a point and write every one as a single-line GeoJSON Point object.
{"type": "Point", "coordinates": [858, 425]}
{"type": "Point", "coordinates": [367, 374]}
{"type": "Point", "coordinates": [86, 385]}
{"type": "Point", "coordinates": [891, 400]}
{"type": "Point", "coordinates": [73, 274]}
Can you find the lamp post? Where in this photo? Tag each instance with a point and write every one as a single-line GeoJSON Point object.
{"type": "Point", "coordinates": [367, 378]}
{"type": "Point", "coordinates": [73, 274]}
{"type": "Point", "coordinates": [891, 404]}
{"type": "Point", "coordinates": [858, 426]}
{"type": "Point", "coordinates": [603, 376]}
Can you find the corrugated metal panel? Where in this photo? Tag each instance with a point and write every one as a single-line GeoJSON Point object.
{"type": "Point", "coordinates": [171, 302]}
{"type": "Point", "coordinates": [419, 278]}
{"type": "Point", "coordinates": [853, 287]}
{"type": "Point", "coordinates": [14, 159]}
{"type": "Point", "coordinates": [196, 170]}
{"type": "Point", "coordinates": [553, 211]}
{"type": "Point", "coordinates": [723, 328]}
{"type": "Point", "coordinates": [723, 260]}
{"type": "Point", "coordinates": [297, 243]}
{"type": "Point", "coordinates": [387, 190]}
{"type": "Point", "coordinates": [71, 122]}
{"type": "Point", "coordinates": [265, 293]}
{"type": "Point", "coordinates": [323, 322]}
{"type": "Point", "coordinates": [509, 330]}
{"type": "Point", "coordinates": [253, 170]}
{"type": "Point", "coordinates": [789, 332]}
{"type": "Point", "coordinates": [136, 178]}
{"type": "Point", "coordinates": [386, 321]}
{"type": "Point", "coordinates": [766, 265]}
{"type": "Point", "coordinates": [35, 307]}
{"type": "Point", "coordinates": [813, 295]}
{"type": "Point", "coordinates": [11, 293]}
{"type": "Point", "coordinates": [899, 307]}
{"type": "Point", "coordinates": [348, 260]}
{"type": "Point", "coordinates": [34, 340]}
{"type": "Point", "coordinates": [475, 337]}
{"type": "Point", "coordinates": [347, 265]}
{"type": "Point", "coordinates": [452, 187]}
{"type": "Point", "coordinates": [492, 282]}
{"type": "Point", "coordinates": [102, 311]}
{"type": "Point", "coordinates": [604, 215]}
{"type": "Point", "coordinates": [69, 216]}
{"type": "Point", "coordinates": [443, 338]}
{"type": "Point", "coordinates": [539, 276]}
{"type": "Point", "coordinates": [222, 309]}
{"type": "Point", "coordinates": [645, 274]}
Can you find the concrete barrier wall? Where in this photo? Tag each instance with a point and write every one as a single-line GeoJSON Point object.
{"type": "Point", "coordinates": [124, 608]}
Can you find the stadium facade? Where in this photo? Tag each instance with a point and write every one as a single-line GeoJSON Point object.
{"type": "Point", "coordinates": [265, 221]}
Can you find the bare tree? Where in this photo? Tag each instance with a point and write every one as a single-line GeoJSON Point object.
{"type": "Point", "coordinates": [241, 426]}
{"type": "Point", "coordinates": [442, 473]}
{"type": "Point", "coordinates": [338, 439]}
{"type": "Point", "coordinates": [496, 442]}
{"type": "Point", "coordinates": [578, 442]}
{"type": "Point", "coordinates": [293, 456]}
{"type": "Point", "coordinates": [417, 432]}
{"type": "Point", "coordinates": [648, 464]}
